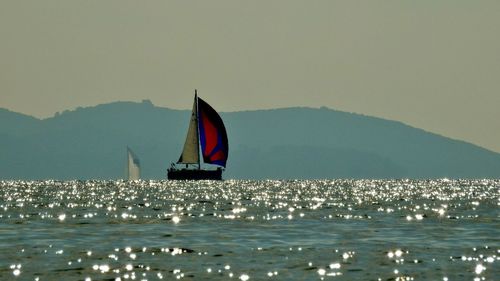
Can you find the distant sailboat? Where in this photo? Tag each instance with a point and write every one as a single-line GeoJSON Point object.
{"type": "Point", "coordinates": [133, 165]}
{"type": "Point", "coordinates": [206, 131]}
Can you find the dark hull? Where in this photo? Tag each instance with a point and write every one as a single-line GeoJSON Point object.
{"type": "Point", "coordinates": [192, 174]}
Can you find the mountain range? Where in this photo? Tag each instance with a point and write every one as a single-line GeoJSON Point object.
{"type": "Point", "coordinates": [288, 143]}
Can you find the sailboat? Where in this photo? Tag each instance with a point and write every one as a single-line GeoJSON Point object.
{"type": "Point", "coordinates": [133, 165]}
{"type": "Point", "coordinates": [206, 134]}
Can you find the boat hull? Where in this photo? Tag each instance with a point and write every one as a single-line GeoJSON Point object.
{"type": "Point", "coordinates": [192, 174]}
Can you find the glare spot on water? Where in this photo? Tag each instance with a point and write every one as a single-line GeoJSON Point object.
{"type": "Point", "coordinates": [176, 219]}
{"type": "Point", "coordinates": [16, 272]}
{"type": "Point", "coordinates": [104, 268]}
{"type": "Point", "coordinates": [479, 269]}
{"type": "Point", "coordinates": [335, 265]}
{"type": "Point", "coordinates": [244, 277]}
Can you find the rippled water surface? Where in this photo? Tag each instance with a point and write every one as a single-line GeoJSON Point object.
{"type": "Point", "coordinates": [250, 230]}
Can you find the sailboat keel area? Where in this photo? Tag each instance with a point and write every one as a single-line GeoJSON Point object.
{"type": "Point", "coordinates": [190, 174]}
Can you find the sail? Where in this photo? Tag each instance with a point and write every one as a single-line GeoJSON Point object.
{"type": "Point", "coordinates": [191, 145]}
{"type": "Point", "coordinates": [213, 136]}
{"type": "Point", "coordinates": [134, 166]}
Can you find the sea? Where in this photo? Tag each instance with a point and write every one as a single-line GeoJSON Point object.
{"type": "Point", "coordinates": [250, 230]}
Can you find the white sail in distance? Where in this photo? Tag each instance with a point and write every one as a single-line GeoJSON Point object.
{"type": "Point", "coordinates": [190, 153]}
{"type": "Point", "coordinates": [133, 166]}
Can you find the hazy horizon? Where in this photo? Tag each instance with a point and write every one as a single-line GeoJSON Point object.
{"type": "Point", "coordinates": [431, 65]}
{"type": "Point", "coordinates": [291, 143]}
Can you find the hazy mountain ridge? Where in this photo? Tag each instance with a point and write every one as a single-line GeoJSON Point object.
{"type": "Point", "coordinates": [280, 143]}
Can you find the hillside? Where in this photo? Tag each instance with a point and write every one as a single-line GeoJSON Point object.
{"type": "Point", "coordinates": [281, 143]}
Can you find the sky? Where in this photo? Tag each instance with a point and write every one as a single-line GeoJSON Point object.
{"type": "Point", "coordinates": [434, 65]}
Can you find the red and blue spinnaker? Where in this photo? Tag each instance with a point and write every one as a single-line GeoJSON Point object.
{"type": "Point", "coordinates": [213, 136]}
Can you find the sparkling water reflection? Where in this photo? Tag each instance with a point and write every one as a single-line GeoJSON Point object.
{"type": "Point", "coordinates": [250, 230]}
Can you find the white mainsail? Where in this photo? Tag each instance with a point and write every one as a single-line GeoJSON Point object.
{"type": "Point", "coordinates": [133, 166]}
{"type": "Point", "coordinates": [190, 153]}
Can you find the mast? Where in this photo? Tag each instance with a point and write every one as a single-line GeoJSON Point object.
{"type": "Point", "coordinates": [197, 127]}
